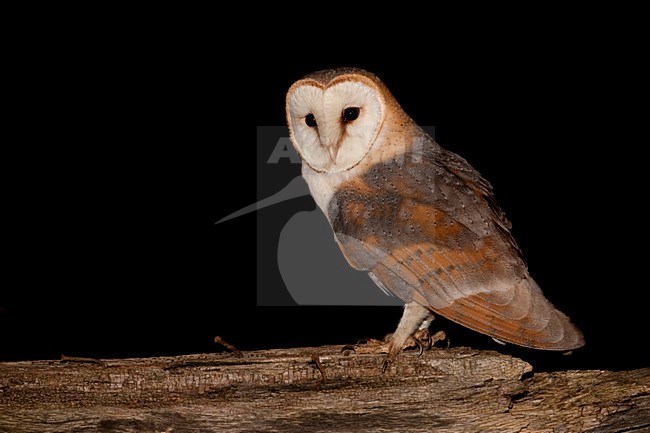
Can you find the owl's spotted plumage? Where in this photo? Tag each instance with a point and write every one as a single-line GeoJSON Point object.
{"type": "Point", "coordinates": [417, 217]}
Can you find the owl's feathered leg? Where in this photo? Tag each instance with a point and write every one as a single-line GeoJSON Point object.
{"type": "Point", "coordinates": [415, 319]}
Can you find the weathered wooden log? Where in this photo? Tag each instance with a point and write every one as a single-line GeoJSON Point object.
{"type": "Point", "coordinates": [319, 390]}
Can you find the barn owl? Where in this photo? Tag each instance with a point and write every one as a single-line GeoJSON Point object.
{"type": "Point", "coordinates": [418, 218]}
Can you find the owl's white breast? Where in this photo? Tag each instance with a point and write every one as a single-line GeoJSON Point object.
{"type": "Point", "coordinates": [387, 146]}
{"type": "Point", "coordinates": [323, 186]}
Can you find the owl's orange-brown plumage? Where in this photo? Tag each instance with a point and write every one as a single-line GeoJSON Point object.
{"type": "Point", "coordinates": [426, 225]}
{"type": "Point", "coordinates": [456, 254]}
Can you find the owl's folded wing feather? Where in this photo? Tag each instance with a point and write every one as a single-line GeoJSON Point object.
{"type": "Point", "coordinates": [443, 242]}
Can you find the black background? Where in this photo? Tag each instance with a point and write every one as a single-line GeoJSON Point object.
{"type": "Point", "coordinates": [126, 157]}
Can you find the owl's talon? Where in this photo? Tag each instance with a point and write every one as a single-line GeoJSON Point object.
{"type": "Point", "coordinates": [423, 336]}
{"type": "Point", "coordinates": [429, 343]}
{"type": "Point", "coordinates": [385, 365]}
{"type": "Point", "coordinates": [348, 347]}
{"type": "Point", "coordinates": [418, 343]}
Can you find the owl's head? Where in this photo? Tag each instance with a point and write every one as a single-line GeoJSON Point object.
{"type": "Point", "coordinates": [335, 116]}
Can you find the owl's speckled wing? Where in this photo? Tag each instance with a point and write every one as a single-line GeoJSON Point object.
{"type": "Point", "coordinates": [428, 228]}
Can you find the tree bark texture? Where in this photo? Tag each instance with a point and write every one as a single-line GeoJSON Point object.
{"type": "Point", "coordinates": [319, 390]}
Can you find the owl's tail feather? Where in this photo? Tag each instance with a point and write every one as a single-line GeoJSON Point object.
{"type": "Point", "coordinates": [519, 314]}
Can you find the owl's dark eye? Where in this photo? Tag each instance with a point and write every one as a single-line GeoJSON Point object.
{"type": "Point", "coordinates": [310, 120]}
{"type": "Point", "coordinates": [350, 114]}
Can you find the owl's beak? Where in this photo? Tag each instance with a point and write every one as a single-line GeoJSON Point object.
{"type": "Point", "coordinates": [330, 138]}
{"type": "Point", "coordinates": [333, 151]}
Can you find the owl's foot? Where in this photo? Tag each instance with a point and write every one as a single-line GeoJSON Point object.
{"type": "Point", "coordinates": [420, 339]}
{"type": "Point", "coordinates": [423, 338]}
{"type": "Point", "coordinates": [412, 331]}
